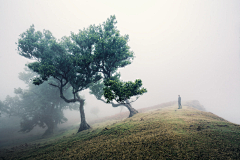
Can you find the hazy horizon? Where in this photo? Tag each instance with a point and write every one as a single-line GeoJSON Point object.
{"type": "Point", "coordinates": [187, 48]}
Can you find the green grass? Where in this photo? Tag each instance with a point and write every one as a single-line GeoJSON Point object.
{"type": "Point", "coordinates": [166, 133]}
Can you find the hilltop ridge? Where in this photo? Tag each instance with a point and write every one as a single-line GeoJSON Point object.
{"type": "Point", "coordinates": [165, 133]}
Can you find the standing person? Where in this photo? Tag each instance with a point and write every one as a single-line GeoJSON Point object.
{"type": "Point", "coordinates": [179, 102]}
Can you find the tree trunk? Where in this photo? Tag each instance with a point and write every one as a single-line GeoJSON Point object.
{"type": "Point", "coordinates": [50, 125]}
{"type": "Point", "coordinates": [48, 120]}
{"type": "Point", "coordinates": [55, 127]}
{"type": "Point", "coordinates": [83, 124]}
{"type": "Point", "coordinates": [131, 109]}
{"type": "Point", "coordinates": [127, 104]}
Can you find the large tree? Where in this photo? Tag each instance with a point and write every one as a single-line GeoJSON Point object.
{"type": "Point", "coordinates": [78, 60]}
{"type": "Point", "coordinates": [69, 61]}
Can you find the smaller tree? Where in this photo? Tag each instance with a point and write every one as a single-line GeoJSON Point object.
{"type": "Point", "coordinates": [122, 92]}
{"type": "Point", "coordinates": [97, 90]}
{"type": "Point", "coordinates": [41, 106]}
{"type": "Point", "coordinates": [111, 52]}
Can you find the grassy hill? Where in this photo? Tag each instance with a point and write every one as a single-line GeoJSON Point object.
{"type": "Point", "coordinates": [166, 133]}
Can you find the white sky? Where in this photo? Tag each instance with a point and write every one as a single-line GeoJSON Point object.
{"type": "Point", "coordinates": [183, 47]}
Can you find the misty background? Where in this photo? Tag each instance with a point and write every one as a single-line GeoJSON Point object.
{"type": "Point", "coordinates": [187, 48]}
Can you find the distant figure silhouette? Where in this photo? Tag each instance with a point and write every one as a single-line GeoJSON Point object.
{"type": "Point", "coordinates": [179, 102]}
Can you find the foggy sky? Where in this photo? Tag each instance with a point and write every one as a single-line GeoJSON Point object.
{"type": "Point", "coordinates": [183, 47]}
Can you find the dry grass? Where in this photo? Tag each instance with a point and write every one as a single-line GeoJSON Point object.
{"type": "Point", "coordinates": [166, 133]}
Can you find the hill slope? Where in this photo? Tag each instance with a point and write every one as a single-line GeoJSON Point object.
{"type": "Point", "coordinates": [166, 133]}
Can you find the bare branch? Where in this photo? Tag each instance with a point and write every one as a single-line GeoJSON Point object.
{"type": "Point", "coordinates": [128, 102]}
{"type": "Point", "coordinates": [63, 97]}
{"type": "Point", "coordinates": [54, 85]}
{"type": "Point", "coordinates": [131, 101]}
{"type": "Point", "coordinates": [113, 104]}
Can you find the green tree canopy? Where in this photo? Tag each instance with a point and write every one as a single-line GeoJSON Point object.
{"type": "Point", "coordinates": [117, 90]}
{"type": "Point", "coordinates": [78, 60]}
{"type": "Point", "coordinates": [122, 91]}
{"type": "Point", "coordinates": [111, 51]}
{"type": "Point", "coordinates": [69, 61]}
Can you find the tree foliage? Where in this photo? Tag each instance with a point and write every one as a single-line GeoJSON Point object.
{"type": "Point", "coordinates": [69, 61]}
{"type": "Point", "coordinates": [122, 91]}
{"type": "Point", "coordinates": [78, 60]}
{"type": "Point", "coordinates": [97, 89]}
{"type": "Point", "coordinates": [111, 50]}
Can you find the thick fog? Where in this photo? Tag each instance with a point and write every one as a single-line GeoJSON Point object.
{"type": "Point", "coordinates": [187, 48]}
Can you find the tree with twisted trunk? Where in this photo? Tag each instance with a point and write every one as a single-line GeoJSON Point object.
{"type": "Point", "coordinates": [77, 60]}
{"type": "Point", "coordinates": [68, 61]}
{"type": "Point", "coordinates": [112, 52]}
{"type": "Point", "coordinates": [119, 91]}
